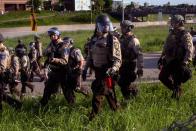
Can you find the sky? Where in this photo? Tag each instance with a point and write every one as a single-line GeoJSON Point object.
{"type": "Point", "coordinates": [161, 2]}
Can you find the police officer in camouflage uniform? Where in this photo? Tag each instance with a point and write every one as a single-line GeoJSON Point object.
{"type": "Point", "coordinates": [105, 56]}
{"type": "Point", "coordinates": [75, 64]}
{"type": "Point", "coordinates": [132, 57]}
{"type": "Point", "coordinates": [34, 66]}
{"type": "Point", "coordinates": [6, 76]}
{"type": "Point", "coordinates": [38, 47]}
{"type": "Point", "coordinates": [176, 56]}
{"type": "Point", "coordinates": [57, 55]}
{"type": "Point", "coordinates": [21, 65]}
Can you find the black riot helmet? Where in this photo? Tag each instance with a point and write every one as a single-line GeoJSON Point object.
{"type": "Point", "coordinates": [68, 40]}
{"type": "Point", "coordinates": [103, 24]}
{"type": "Point", "coordinates": [1, 38]}
{"type": "Point", "coordinates": [54, 31]}
{"type": "Point", "coordinates": [20, 50]}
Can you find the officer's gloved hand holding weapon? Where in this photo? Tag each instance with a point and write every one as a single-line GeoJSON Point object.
{"type": "Point", "coordinates": [109, 78]}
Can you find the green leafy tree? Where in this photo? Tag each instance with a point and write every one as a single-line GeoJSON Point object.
{"type": "Point", "coordinates": [35, 3]}
{"type": "Point", "coordinates": [99, 4]}
{"type": "Point", "coordinates": [108, 4]}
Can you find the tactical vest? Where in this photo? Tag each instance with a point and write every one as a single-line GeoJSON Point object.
{"type": "Point", "coordinates": [56, 52]}
{"type": "Point", "coordinates": [102, 52]}
{"type": "Point", "coordinates": [176, 49]}
{"type": "Point", "coordinates": [127, 49]}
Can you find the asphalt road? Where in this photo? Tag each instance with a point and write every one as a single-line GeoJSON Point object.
{"type": "Point", "coordinates": [23, 31]}
{"type": "Point", "coordinates": [150, 74]}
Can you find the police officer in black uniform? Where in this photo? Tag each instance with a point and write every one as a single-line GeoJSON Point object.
{"type": "Point", "coordinates": [57, 59]}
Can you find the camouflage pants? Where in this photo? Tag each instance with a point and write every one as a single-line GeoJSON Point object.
{"type": "Point", "coordinates": [25, 82]}
{"type": "Point", "coordinates": [35, 68]}
{"type": "Point", "coordinates": [6, 98]}
{"type": "Point", "coordinates": [127, 76]}
{"type": "Point", "coordinates": [100, 90]}
{"type": "Point", "coordinates": [174, 74]}
{"type": "Point", "coordinates": [55, 80]}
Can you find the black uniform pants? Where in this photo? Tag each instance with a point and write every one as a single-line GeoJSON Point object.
{"type": "Point", "coordinates": [127, 76]}
{"type": "Point", "coordinates": [56, 79]}
{"type": "Point", "coordinates": [100, 89]}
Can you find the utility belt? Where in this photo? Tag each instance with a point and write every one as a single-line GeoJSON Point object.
{"type": "Point", "coordinates": [106, 66]}
{"type": "Point", "coordinates": [55, 68]}
{"type": "Point", "coordinates": [128, 61]}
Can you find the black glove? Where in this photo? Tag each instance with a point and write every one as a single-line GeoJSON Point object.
{"type": "Point", "coordinates": [110, 72]}
{"type": "Point", "coordinates": [140, 73]}
{"type": "Point", "coordinates": [84, 72]}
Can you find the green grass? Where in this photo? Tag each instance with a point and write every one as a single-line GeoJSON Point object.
{"type": "Point", "coordinates": [47, 18]}
{"type": "Point", "coordinates": [152, 109]}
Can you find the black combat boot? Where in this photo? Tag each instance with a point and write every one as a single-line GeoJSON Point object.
{"type": "Point", "coordinates": [177, 92]}
{"type": "Point", "coordinates": [133, 90]}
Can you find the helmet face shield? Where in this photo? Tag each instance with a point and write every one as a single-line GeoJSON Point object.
{"type": "Point", "coordinates": [103, 24]}
{"type": "Point", "coordinates": [104, 28]}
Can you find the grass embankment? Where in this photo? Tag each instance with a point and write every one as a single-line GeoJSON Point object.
{"type": "Point", "coordinates": [22, 18]}
{"type": "Point", "coordinates": [152, 109]}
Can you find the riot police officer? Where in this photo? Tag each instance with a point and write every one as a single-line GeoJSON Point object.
{"type": "Point", "coordinates": [38, 47]}
{"type": "Point", "coordinates": [21, 66]}
{"type": "Point", "coordinates": [57, 58]}
{"type": "Point", "coordinates": [34, 66]}
{"type": "Point", "coordinates": [75, 64]}
{"type": "Point", "coordinates": [176, 56]}
{"type": "Point", "coordinates": [6, 76]}
{"type": "Point", "coordinates": [132, 57]}
{"type": "Point", "coordinates": [105, 56]}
